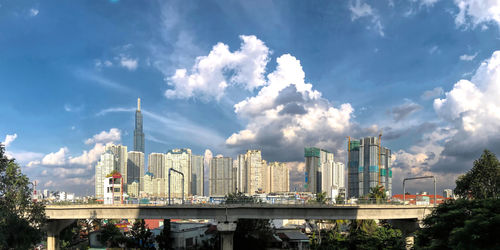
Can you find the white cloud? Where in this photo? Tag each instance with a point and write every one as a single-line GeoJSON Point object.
{"type": "Point", "coordinates": [129, 63]}
{"type": "Point", "coordinates": [52, 159]}
{"type": "Point", "coordinates": [466, 57]}
{"type": "Point", "coordinates": [88, 157]}
{"type": "Point", "coordinates": [34, 12]}
{"type": "Point", "coordinates": [9, 139]}
{"type": "Point", "coordinates": [359, 9]}
{"type": "Point", "coordinates": [475, 12]}
{"type": "Point", "coordinates": [113, 135]}
{"type": "Point", "coordinates": [428, 3]}
{"type": "Point", "coordinates": [288, 114]}
{"type": "Point", "coordinates": [474, 105]}
{"type": "Point", "coordinates": [212, 74]}
{"type": "Point", "coordinates": [435, 92]}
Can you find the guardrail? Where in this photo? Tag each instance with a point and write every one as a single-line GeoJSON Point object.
{"type": "Point", "coordinates": [295, 202]}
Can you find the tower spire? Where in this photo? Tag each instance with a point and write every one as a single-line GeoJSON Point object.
{"type": "Point", "coordinates": [138, 104]}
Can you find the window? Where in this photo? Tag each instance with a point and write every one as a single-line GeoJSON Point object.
{"type": "Point", "coordinates": [117, 189]}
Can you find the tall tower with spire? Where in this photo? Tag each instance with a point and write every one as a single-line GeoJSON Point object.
{"type": "Point", "coordinates": [138, 133]}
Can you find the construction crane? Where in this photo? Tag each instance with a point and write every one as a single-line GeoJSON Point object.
{"type": "Point", "coordinates": [379, 170]}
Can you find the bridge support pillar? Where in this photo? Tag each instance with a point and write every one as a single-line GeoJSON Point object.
{"type": "Point", "coordinates": [226, 230]}
{"type": "Point", "coordinates": [53, 228]}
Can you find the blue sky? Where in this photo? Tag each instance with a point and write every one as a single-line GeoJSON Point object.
{"type": "Point", "coordinates": [274, 75]}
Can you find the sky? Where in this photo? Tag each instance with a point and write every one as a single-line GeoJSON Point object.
{"type": "Point", "coordinates": [221, 77]}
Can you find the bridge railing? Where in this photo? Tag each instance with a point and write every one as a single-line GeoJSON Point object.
{"type": "Point", "coordinates": [292, 202]}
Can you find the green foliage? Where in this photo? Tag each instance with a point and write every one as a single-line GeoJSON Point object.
{"type": "Point", "coordinates": [483, 180]}
{"type": "Point", "coordinates": [239, 198]}
{"type": "Point", "coordinates": [462, 224]}
{"type": "Point", "coordinates": [363, 234]}
{"type": "Point", "coordinates": [377, 193]}
{"type": "Point", "coordinates": [111, 236]}
{"type": "Point", "coordinates": [142, 236]}
{"type": "Point", "coordinates": [18, 212]}
{"type": "Point", "coordinates": [321, 197]}
{"type": "Point", "coordinates": [250, 233]}
{"type": "Point", "coordinates": [163, 239]}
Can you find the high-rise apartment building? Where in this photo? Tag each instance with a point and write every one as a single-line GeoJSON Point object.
{"type": "Point", "coordinates": [180, 160]}
{"type": "Point", "coordinates": [368, 166]}
{"type": "Point", "coordinates": [104, 166]}
{"type": "Point", "coordinates": [276, 177]}
{"type": "Point", "coordinates": [120, 158]}
{"type": "Point", "coordinates": [197, 174]}
{"type": "Point", "coordinates": [221, 176]}
{"type": "Point", "coordinates": [322, 173]}
{"type": "Point", "coordinates": [135, 168]}
{"type": "Point", "coordinates": [138, 132]}
{"type": "Point", "coordinates": [249, 172]}
{"type": "Point", "coordinates": [157, 164]}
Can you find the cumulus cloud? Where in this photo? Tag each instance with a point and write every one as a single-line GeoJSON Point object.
{"type": "Point", "coordinates": [86, 158]}
{"type": "Point", "coordinates": [466, 57]}
{"type": "Point", "coordinates": [474, 12]}
{"type": "Point", "coordinates": [433, 93]}
{"type": "Point", "coordinates": [113, 135]}
{"type": "Point", "coordinates": [288, 114]}
{"type": "Point", "coordinates": [129, 63]}
{"type": "Point", "coordinates": [9, 139]}
{"type": "Point", "coordinates": [360, 9]}
{"type": "Point", "coordinates": [473, 105]}
{"type": "Point", "coordinates": [404, 110]}
{"type": "Point", "coordinates": [472, 108]}
{"type": "Point", "coordinates": [212, 74]}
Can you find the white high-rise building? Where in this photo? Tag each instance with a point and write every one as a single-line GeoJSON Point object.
{"type": "Point", "coordinates": [277, 177]}
{"type": "Point", "coordinates": [197, 174]}
{"type": "Point", "coordinates": [121, 158]}
{"type": "Point", "coordinates": [135, 168]}
{"type": "Point", "coordinates": [104, 166]}
{"type": "Point", "coordinates": [157, 164]}
{"type": "Point", "coordinates": [221, 176]}
{"type": "Point", "coordinates": [180, 160]}
{"type": "Point", "coordinates": [250, 173]}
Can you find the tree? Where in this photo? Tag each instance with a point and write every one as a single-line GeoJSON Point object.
{"type": "Point", "coordinates": [321, 198]}
{"type": "Point", "coordinates": [461, 224]}
{"type": "Point", "coordinates": [363, 234]}
{"type": "Point", "coordinates": [483, 180]}
{"type": "Point", "coordinates": [111, 235]}
{"type": "Point", "coordinates": [163, 239]}
{"type": "Point", "coordinates": [250, 233]}
{"type": "Point", "coordinates": [18, 212]}
{"type": "Point", "coordinates": [377, 193]}
{"type": "Point", "coordinates": [472, 221]}
{"type": "Point", "coordinates": [143, 237]}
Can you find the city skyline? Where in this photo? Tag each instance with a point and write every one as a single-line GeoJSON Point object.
{"type": "Point", "coordinates": [424, 73]}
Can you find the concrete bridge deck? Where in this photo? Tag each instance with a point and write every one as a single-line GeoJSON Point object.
{"type": "Point", "coordinates": [238, 211]}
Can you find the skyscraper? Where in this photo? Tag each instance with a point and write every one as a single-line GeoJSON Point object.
{"type": "Point", "coordinates": [364, 161]}
{"type": "Point", "coordinates": [249, 173]}
{"type": "Point", "coordinates": [135, 168]}
{"type": "Point", "coordinates": [104, 167]}
{"type": "Point", "coordinates": [120, 159]}
{"type": "Point", "coordinates": [156, 165]}
{"type": "Point", "coordinates": [180, 160]}
{"type": "Point", "coordinates": [277, 177]}
{"type": "Point", "coordinates": [221, 176]}
{"type": "Point", "coordinates": [197, 174]}
{"type": "Point", "coordinates": [138, 134]}
{"type": "Point", "coordinates": [322, 173]}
